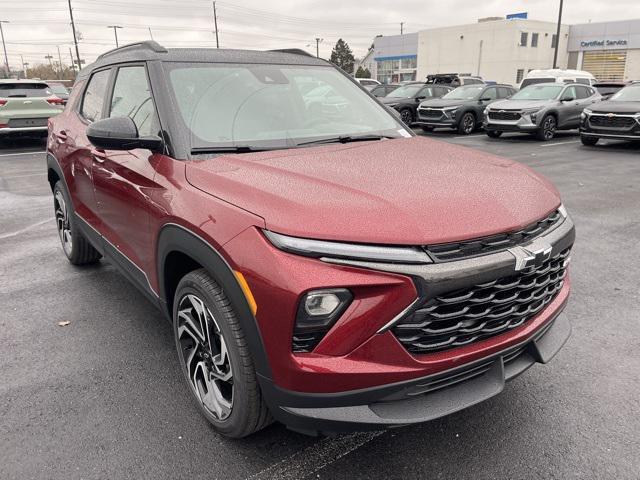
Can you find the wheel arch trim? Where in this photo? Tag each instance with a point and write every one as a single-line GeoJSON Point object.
{"type": "Point", "coordinates": [178, 238]}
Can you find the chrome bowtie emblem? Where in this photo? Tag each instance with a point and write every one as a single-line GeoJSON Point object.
{"type": "Point", "coordinates": [533, 255]}
{"type": "Point", "coordinates": [610, 115]}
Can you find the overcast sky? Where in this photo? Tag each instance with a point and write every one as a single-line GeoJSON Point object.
{"type": "Point", "coordinates": [37, 27]}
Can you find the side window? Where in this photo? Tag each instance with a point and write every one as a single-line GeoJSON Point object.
{"type": "Point", "coordinates": [583, 92]}
{"type": "Point", "coordinates": [94, 95]}
{"type": "Point", "coordinates": [570, 92]}
{"type": "Point", "coordinates": [490, 93]}
{"type": "Point", "coordinates": [424, 92]}
{"type": "Point", "coordinates": [132, 98]}
{"type": "Point", "coordinates": [503, 92]}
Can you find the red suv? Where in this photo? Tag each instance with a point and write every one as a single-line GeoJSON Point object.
{"type": "Point", "coordinates": [320, 264]}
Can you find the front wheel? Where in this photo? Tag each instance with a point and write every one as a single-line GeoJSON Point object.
{"type": "Point", "coordinates": [407, 116]}
{"type": "Point", "coordinates": [547, 128]}
{"type": "Point", "coordinates": [588, 141]}
{"type": "Point", "coordinates": [494, 133]}
{"type": "Point", "coordinates": [75, 246]}
{"type": "Point", "coordinates": [467, 124]}
{"type": "Point", "coordinates": [215, 359]}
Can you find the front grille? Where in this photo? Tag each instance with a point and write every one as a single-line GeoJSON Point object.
{"type": "Point", "coordinates": [606, 121]}
{"type": "Point", "coordinates": [430, 114]}
{"type": "Point", "coordinates": [482, 246]}
{"type": "Point", "coordinates": [504, 115]}
{"type": "Point", "coordinates": [468, 315]}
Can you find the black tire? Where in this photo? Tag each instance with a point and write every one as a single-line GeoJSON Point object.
{"type": "Point", "coordinates": [426, 129]}
{"type": "Point", "coordinates": [588, 141]}
{"type": "Point", "coordinates": [467, 124]}
{"type": "Point", "coordinates": [75, 246]}
{"type": "Point", "coordinates": [407, 116]}
{"type": "Point", "coordinates": [494, 133]}
{"type": "Point", "coordinates": [247, 411]}
{"type": "Point", "coordinates": [547, 129]}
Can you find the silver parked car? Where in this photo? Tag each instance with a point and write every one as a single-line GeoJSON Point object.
{"type": "Point", "coordinates": [540, 109]}
{"type": "Point", "coordinates": [26, 106]}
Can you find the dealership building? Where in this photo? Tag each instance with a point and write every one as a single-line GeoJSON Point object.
{"type": "Point", "coordinates": [609, 50]}
{"type": "Point", "coordinates": [506, 49]}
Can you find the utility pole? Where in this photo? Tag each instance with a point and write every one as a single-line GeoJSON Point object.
{"type": "Point", "coordinates": [50, 57]}
{"type": "Point", "coordinates": [73, 65]}
{"type": "Point", "coordinates": [59, 62]}
{"type": "Point", "coordinates": [401, 28]}
{"type": "Point", "coordinates": [24, 66]}
{"type": "Point", "coordinates": [75, 37]}
{"type": "Point", "coordinates": [480, 56]}
{"type": "Point", "coordinates": [215, 24]}
{"type": "Point", "coordinates": [4, 47]}
{"type": "Point", "coordinates": [318, 40]}
{"type": "Point", "coordinates": [150, 34]}
{"type": "Point", "coordinates": [555, 53]}
{"type": "Point", "coordinates": [115, 32]}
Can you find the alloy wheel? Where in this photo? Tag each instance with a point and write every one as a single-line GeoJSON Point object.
{"type": "Point", "coordinates": [406, 116]}
{"type": "Point", "coordinates": [62, 222]}
{"type": "Point", "coordinates": [203, 352]}
{"type": "Point", "coordinates": [468, 123]}
{"type": "Point", "coordinates": [549, 128]}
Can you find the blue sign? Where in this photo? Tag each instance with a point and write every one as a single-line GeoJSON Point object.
{"type": "Point", "coordinates": [522, 15]}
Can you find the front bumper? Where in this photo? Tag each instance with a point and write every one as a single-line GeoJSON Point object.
{"type": "Point", "coordinates": [447, 118]}
{"type": "Point", "coordinates": [523, 124]}
{"type": "Point", "coordinates": [418, 400]}
{"type": "Point", "coordinates": [11, 130]}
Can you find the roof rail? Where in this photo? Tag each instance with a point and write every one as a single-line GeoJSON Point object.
{"type": "Point", "coordinates": [294, 51]}
{"type": "Point", "coordinates": [146, 45]}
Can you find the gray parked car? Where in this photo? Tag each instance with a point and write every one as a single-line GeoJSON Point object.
{"type": "Point", "coordinates": [462, 108]}
{"type": "Point", "coordinates": [540, 109]}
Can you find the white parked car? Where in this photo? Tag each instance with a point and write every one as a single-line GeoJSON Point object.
{"type": "Point", "coordinates": [558, 75]}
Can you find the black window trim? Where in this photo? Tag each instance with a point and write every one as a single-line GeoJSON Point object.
{"type": "Point", "coordinates": [80, 103]}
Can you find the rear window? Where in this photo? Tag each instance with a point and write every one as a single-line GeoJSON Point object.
{"type": "Point", "coordinates": [532, 81]}
{"type": "Point", "coordinates": [24, 90]}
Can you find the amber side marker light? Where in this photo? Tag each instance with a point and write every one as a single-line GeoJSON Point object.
{"type": "Point", "coordinates": [247, 291]}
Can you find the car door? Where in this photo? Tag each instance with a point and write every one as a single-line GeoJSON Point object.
{"type": "Point", "coordinates": [569, 110]}
{"type": "Point", "coordinates": [79, 150]}
{"type": "Point", "coordinates": [489, 95]}
{"type": "Point", "coordinates": [124, 180]}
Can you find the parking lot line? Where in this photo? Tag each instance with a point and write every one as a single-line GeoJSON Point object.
{"type": "Point", "coordinates": [21, 153]}
{"type": "Point", "coordinates": [559, 143]}
{"type": "Point", "coordinates": [314, 458]}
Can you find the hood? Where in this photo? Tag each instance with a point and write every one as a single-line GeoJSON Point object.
{"type": "Point", "coordinates": [519, 104]}
{"type": "Point", "coordinates": [443, 102]}
{"type": "Point", "coordinates": [615, 107]}
{"type": "Point", "coordinates": [403, 191]}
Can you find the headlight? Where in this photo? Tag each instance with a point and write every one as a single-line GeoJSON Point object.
{"type": "Point", "coordinates": [586, 111]}
{"type": "Point", "coordinates": [452, 108]}
{"type": "Point", "coordinates": [321, 248]}
{"type": "Point", "coordinates": [529, 111]}
{"type": "Point", "coordinates": [486, 111]}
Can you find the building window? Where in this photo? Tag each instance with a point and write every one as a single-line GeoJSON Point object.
{"type": "Point", "coordinates": [534, 39]}
{"type": "Point", "coordinates": [554, 40]}
{"type": "Point", "coordinates": [524, 36]}
{"type": "Point", "coordinates": [519, 75]}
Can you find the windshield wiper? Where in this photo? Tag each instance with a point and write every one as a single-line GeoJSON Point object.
{"type": "Point", "coordinates": [233, 149]}
{"type": "Point", "coordinates": [345, 139]}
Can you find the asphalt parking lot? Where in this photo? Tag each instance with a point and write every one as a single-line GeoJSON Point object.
{"type": "Point", "coordinates": [103, 397]}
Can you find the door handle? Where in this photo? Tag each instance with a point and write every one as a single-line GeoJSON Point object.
{"type": "Point", "coordinates": [61, 136]}
{"type": "Point", "coordinates": [99, 155]}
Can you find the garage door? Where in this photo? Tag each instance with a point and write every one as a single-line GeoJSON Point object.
{"type": "Point", "coordinates": [605, 65]}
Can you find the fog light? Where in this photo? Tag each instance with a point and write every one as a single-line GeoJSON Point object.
{"type": "Point", "coordinates": [317, 312]}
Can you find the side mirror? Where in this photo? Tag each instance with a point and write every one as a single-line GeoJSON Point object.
{"type": "Point", "coordinates": [120, 133]}
{"type": "Point", "coordinates": [568, 99]}
{"type": "Point", "coordinates": [486, 99]}
{"type": "Point", "coordinates": [419, 99]}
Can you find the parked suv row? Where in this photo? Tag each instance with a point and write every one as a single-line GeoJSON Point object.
{"type": "Point", "coordinates": [406, 98]}
{"type": "Point", "coordinates": [307, 277]}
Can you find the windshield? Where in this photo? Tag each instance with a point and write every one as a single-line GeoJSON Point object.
{"type": "Point", "coordinates": [470, 92]}
{"type": "Point", "coordinates": [627, 94]}
{"type": "Point", "coordinates": [538, 92]}
{"type": "Point", "coordinates": [272, 106]}
{"type": "Point", "coordinates": [21, 90]}
{"type": "Point", "coordinates": [532, 81]}
{"type": "Point", "coordinates": [406, 91]}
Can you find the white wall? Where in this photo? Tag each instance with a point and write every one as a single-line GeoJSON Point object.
{"type": "Point", "coordinates": [442, 50]}
{"type": "Point", "coordinates": [632, 69]}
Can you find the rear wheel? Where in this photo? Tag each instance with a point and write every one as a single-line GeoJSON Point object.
{"type": "Point", "coordinates": [75, 246]}
{"type": "Point", "coordinates": [588, 141]}
{"type": "Point", "coordinates": [547, 128]}
{"type": "Point", "coordinates": [494, 133]}
{"type": "Point", "coordinates": [215, 359]}
{"type": "Point", "coordinates": [467, 124]}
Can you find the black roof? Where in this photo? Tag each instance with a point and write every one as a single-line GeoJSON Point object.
{"type": "Point", "coordinates": [150, 50]}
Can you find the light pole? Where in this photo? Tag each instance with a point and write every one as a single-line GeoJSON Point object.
{"type": "Point", "coordinates": [115, 32]}
{"type": "Point", "coordinates": [4, 47]}
{"type": "Point", "coordinates": [555, 53]}
{"type": "Point", "coordinates": [24, 66]}
{"type": "Point", "coordinates": [50, 57]}
{"type": "Point", "coordinates": [59, 62]}
{"type": "Point", "coordinates": [318, 40]}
